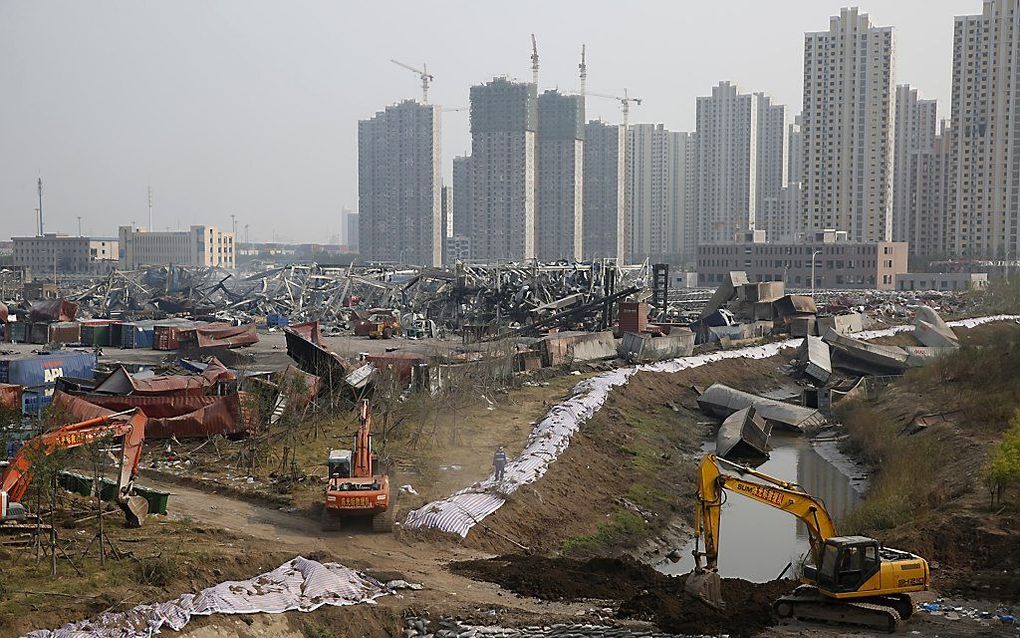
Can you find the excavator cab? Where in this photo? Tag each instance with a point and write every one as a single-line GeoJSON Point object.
{"type": "Point", "coordinates": [847, 563]}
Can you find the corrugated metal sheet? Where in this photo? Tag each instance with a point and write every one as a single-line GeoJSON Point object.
{"type": "Point", "coordinates": [458, 513]}
{"type": "Point", "coordinates": [52, 310]}
{"type": "Point", "coordinates": [10, 396]}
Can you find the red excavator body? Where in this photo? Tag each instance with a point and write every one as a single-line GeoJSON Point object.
{"type": "Point", "coordinates": [356, 488]}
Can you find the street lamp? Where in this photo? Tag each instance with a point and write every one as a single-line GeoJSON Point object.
{"type": "Point", "coordinates": [813, 255]}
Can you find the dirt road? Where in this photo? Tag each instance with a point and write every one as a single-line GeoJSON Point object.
{"type": "Point", "coordinates": [386, 555]}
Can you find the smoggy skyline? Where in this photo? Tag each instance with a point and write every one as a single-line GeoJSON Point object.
{"type": "Point", "coordinates": [251, 107]}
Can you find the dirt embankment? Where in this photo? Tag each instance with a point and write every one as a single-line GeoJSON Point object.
{"type": "Point", "coordinates": [928, 436]}
{"type": "Point", "coordinates": [627, 471]}
{"type": "Point", "coordinates": [640, 592]}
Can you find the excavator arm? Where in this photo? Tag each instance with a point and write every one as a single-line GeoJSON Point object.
{"type": "Point", "coordinates": [712, 486]}
{"type": "Point", "coordinates": [363, 442]}
{"type": "Point", "coordinates": [17, 477]}
{"type": "Point", "coordinates": [789, 497]}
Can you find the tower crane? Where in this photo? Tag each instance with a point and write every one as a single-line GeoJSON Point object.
{"type": "Point", "coordinates": [423, 73]}
{"type": "Point", "coordinates": [583, 68]}
{"type": "Point", "coordinates": [625, 101]}
{"type": "Point", "coordinates": [534, 61]}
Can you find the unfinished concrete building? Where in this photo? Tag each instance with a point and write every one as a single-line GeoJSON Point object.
{"type": "Point", "coordinates": [658, 180]}
{"type": "Point", "coordinates": [462, 199]}
{"type": "Point", "coordinates": [559, 217]}
{"type": "Point", "coordinates": [604, 210]}
{"type": "Point", "coordinates": [400, 185]}
{"type": "Point", "coordinates": [504, 123]}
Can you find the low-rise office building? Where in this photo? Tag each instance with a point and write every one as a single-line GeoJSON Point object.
{"type": "Point", "coordinates": [65, 254]}
{"type": "Point", "coordinates": [838, 262]}
{"type": "Point", "coordinates": [199, 246]}
{"type": "Point", "coordinates": [944, 281]}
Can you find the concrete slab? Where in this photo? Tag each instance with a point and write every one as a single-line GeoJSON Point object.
{"type": "Point", "coordinates": [880, 359]}
{"type": "Point", "coordinates": [932, 331]}
{"type": "Point", "coordinates": [814, 355]}
{"type": "Point", "coordinates": [722, 401]}
{"type": "Point", "coordinates": [842, 324]}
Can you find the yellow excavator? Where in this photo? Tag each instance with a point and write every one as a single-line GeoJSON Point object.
{"type": "Point", "coordinates": [854, 579]}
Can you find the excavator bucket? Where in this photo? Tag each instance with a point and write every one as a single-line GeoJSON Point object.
{"type": "Point", "coordinates": [135, 509]}
{"type": "Point", "coordinates": [707, 586]}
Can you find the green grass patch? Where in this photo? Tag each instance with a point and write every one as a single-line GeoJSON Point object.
{"type": "Point", "coordinates": [621, 525]}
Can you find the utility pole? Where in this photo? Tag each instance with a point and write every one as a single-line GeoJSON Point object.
{"type": "Point", "coordinates": [246, 233]}
{"type": "Point", "coordinates": [41, 230]}
{"type": "Point", "coordinates": [813, 255]}
{"type": "Point", "coordinates": [233, 223]}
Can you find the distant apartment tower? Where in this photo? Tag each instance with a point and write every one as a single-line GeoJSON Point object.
{"type": "Point", "coordinates": [914, 129]}
{"type": "Point", "coordinates": [782, 221]}
{"type": "Point", "coordinates": [400, 185]}
{"type": "Point", "coordinates": [741, 160]}
{"type": "Point", "coordinates": [199, 246]}
{"type": "Point", "coordinates": [658, 179]}
{"type": "Point", "coordinates": [605, 212]}
{"type": "Point", "coordinates": [560, 172]}
{"type": "Point", "coordinates": [795, 149]}
{"type": "Point", "coordinates": [462, 199]}
{"type": "Point", "coordinates": [986, 156]}
{"type": "Point", "coordinates": [352, 222]}
{"type": "Point", "coordinates": [847, 128]}
{"type": "Point", "coordinates": [504, 121]}
{"type": "Point", "coordinates": [65, 254]}
{"type": "Point", "coordinates": [931, 183]}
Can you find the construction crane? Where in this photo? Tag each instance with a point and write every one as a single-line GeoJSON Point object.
{"type": "Point", "coordinates": [423, 73]}
{"type": "Point", "coordinates": [625, 101]}
{"type": "Point", "coordinates": [534, 61]}
{"type": "Point", "coordinates": [583, 68]}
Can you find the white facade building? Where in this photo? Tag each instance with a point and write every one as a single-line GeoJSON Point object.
{"type": "Point", "coordinates": [200, 246]}
{"type": "Point", "coordinates": [915, 124]}
{"type": "Point", "coordinates": [658, 180]}
{"type": "Point", "coordinates": [847, 128]}
{"type": "Point", "coordinates": [984, 215]}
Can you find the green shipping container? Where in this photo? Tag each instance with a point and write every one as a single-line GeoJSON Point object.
{"type": "Point", "coordinates": [95, 335]}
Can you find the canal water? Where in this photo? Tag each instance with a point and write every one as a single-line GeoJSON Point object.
{"type": "Point", "coordinates": [757, 541]}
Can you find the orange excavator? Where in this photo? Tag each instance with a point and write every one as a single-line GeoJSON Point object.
{"type": "Point", "coordinates": [17, 476]}
{"type": "Point", "coordinates": [356, 488]}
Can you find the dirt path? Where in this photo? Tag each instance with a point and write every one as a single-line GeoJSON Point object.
{"type": "Point", "coordinates": [387, 555]}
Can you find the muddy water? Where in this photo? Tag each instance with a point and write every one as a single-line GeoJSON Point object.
{"type": "Point", "coordinates": [758, 541]}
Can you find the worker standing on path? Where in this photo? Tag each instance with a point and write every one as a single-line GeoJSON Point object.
{"type": "Point", "coordinates": [499, 462]}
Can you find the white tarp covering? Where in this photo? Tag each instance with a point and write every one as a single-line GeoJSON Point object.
{"type": "Point", "coordinates": [459, 512]}
{"type": "Point", "coordinates": [299, 584]}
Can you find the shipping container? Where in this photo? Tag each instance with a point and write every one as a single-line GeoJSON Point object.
{"type": "Point", "coordinates": [96, 332]}
{"type": "Point", "coordinates": [35, 370]}
{"type": "Point", "coordinates": [40, 333]}
{"type": "Point", "coordinates": [20, 331]}
{"type": "Point", "coordinates": [137, 334]}
{"type": "Point", "coordinates": [64, 332]}
{"type": "Point", "coordinates": [167, 336]}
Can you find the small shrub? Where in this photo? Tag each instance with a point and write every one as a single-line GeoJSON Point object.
{"type": "Point", "coordinates": [156, 570]}
{"type": "Point", "coordinates": [1003, 467]}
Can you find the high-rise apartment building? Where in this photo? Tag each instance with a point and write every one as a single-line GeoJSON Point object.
{"type": "Point", "coordinates": [352, 225]}
{"type": "Point", "coordinates": [462, 200]}
{"type": "Point", "coordinates": [604, 193]}
{"type": "Point", "coordinates": [984, 216]}
{"type": "Point", "coordinates": [504, 121]}
{"type": "Point", "coordinates": [560, 171]}
{"type": "Point", "coordinates": [658, 180]}
{"type": "Point", "coordinates": [742, 160]}
{"type": "Point", "coordinates": [200, 246]}
{"type": "Point", "coordinates": [930, 181]}
{"type": "Point", "coordinates": [914, 129]}
{"type": "Point", "coordinates": [847, 128]}
{"type": "Point", "coordinates": [795, 150]}
{"type": "Point", "coordinates": [400, 185]}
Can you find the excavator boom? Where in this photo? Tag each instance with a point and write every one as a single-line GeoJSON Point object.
{"type": "Point", "coordinates": [17, 477]}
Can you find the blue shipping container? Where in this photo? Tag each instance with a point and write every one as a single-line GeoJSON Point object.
{"type": "Point", "coordinates": [274, 320]}
{"type": "Point", "coordinates": [138, 334]}
{"type": "Point", "coordinates": [42, 370]}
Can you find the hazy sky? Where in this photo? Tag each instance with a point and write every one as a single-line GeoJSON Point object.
{"type": "Point", "coordinates": [251, 106]}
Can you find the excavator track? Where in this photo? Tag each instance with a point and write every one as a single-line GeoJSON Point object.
{"type": "Point", "coordinates": [806, 604]}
